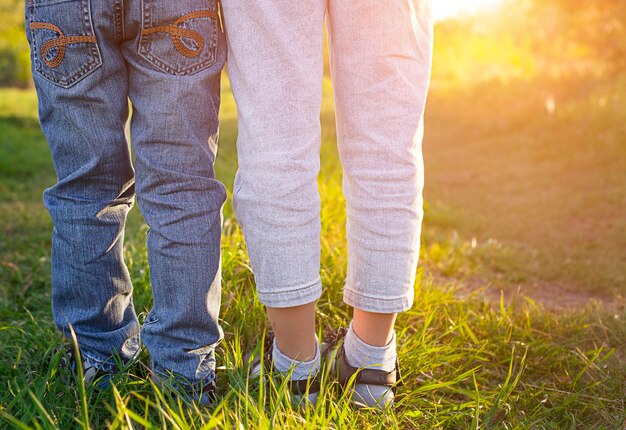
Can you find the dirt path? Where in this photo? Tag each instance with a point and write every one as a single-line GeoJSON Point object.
{"type": "Point", "coordinates": [551, 296]}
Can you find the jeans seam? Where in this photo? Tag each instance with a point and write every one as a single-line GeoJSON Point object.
{"type": "Point", "coordinates": [366, 296]}
{"type": "Point", "coordinates": [119, 20]}
{"type": "Point", "coordinates": [384, 305]}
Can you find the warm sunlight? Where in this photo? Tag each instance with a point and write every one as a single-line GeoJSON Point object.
{"type": "Point", "coordinates": [445, 203]}
{"type": "Point", "coordinates": [447, 8]}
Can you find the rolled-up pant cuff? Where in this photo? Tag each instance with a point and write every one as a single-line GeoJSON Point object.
{"type": "Point", "coordinates": [294, 296]}
{"type": "Point", "coordinates": [382, 304]}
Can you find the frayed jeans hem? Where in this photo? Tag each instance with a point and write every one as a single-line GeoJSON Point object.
{"type": "Point", "coordinates": [163, 377]}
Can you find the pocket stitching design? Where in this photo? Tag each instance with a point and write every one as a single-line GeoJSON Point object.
{"type": "Point", "coordinates": [59, 42]}
{"type": "Point", "coordinates": [148, 33]}
{"type": "Point", "coordinates": [177, 32]}
{"type": "Point", "coordinates": [94, 62]}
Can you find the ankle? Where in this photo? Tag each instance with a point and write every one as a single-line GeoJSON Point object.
{"type": "Point", "coordinates": [375, 329]}
{"type": "Point", "coordinates": [297, 351]}
{"type": "Point", "coordinates": [361, 354]}
{"type": "Point", "coordinates": [294, 331]}
{"type": "Point", "coordinates": [300, 369]}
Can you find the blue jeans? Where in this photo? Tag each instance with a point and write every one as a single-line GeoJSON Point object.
{"type": "Point", "coordinates": [89, 57]}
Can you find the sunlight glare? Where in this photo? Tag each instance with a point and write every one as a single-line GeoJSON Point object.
{"type": "Point", "coordinates": [447, 8]}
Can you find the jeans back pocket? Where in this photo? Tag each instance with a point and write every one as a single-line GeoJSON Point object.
{"type": "Point", "coordinates": [64, 46]}
{"type": "Point", "coordinates": [180, 37]}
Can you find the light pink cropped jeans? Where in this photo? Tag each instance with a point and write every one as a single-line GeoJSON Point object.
{"type": "Point", "coordinates": [381, 53]}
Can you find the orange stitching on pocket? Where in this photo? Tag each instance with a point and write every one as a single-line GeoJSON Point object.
{"type": "Point", "coordinates": [177, 33]}
{"type": "Point", "coordinates": [59, 42]}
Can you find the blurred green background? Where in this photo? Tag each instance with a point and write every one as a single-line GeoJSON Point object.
{"type": "Point", "coordinates": [14, 56]}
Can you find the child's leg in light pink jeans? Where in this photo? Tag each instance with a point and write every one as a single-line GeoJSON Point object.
{"type": "Point", "coordinates": [276, 67]}
{"type": "Point", "coordinates": [380, 62]}
{"type": "Point", "coordinates": [381, 56]}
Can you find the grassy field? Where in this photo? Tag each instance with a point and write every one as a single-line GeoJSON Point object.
{"type": "Point", "coordinates": [547, 185]}
{"type": "Point", "coordinates": [518, 200]}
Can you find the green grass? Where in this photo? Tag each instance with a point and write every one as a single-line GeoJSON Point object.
{"type": "Point", "coordinates": [551, 188]}
{"type": "Point", "coordinates": [467, 362]}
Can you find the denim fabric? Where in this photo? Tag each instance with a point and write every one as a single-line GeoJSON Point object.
{"type": "Point", "coordinates": [381, 54]}
{"type": "Point", "coordinates": [89, 57]}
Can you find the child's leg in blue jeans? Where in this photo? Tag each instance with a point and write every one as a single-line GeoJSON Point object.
{"type": "Point", "coordinates": [174, 86]}
{"type": "Point", "coordinates": [112, 51]}
{"type": "Point", "coordinates": [83, 106]}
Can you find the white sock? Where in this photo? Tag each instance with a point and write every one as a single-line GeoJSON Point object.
{"type": "Point", "coordinates": [301, 369]}
{"type": "Point", "coordinates": [365, 356]}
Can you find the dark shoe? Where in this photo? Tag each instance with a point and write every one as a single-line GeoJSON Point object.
{"type": "Point", "coordinates": [206, 395]}
{"type": "Point", "coordinates": [198, 394]}
{"type": "Point", "coordinates": [256, 363]}
{"type": "Point", "coordinates": [333, 349]}
{"type": "Point", "coordinates": [92, 375]}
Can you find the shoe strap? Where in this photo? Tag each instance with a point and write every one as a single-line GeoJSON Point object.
{"type": "Point", "coordinates": [301, 387]}
{"type": "Point", "coordinates": [210, 389]}
{"type": "Point", "coordinates": [305, 386]}
{"type": "Point", "coordinates": [378, 377]}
